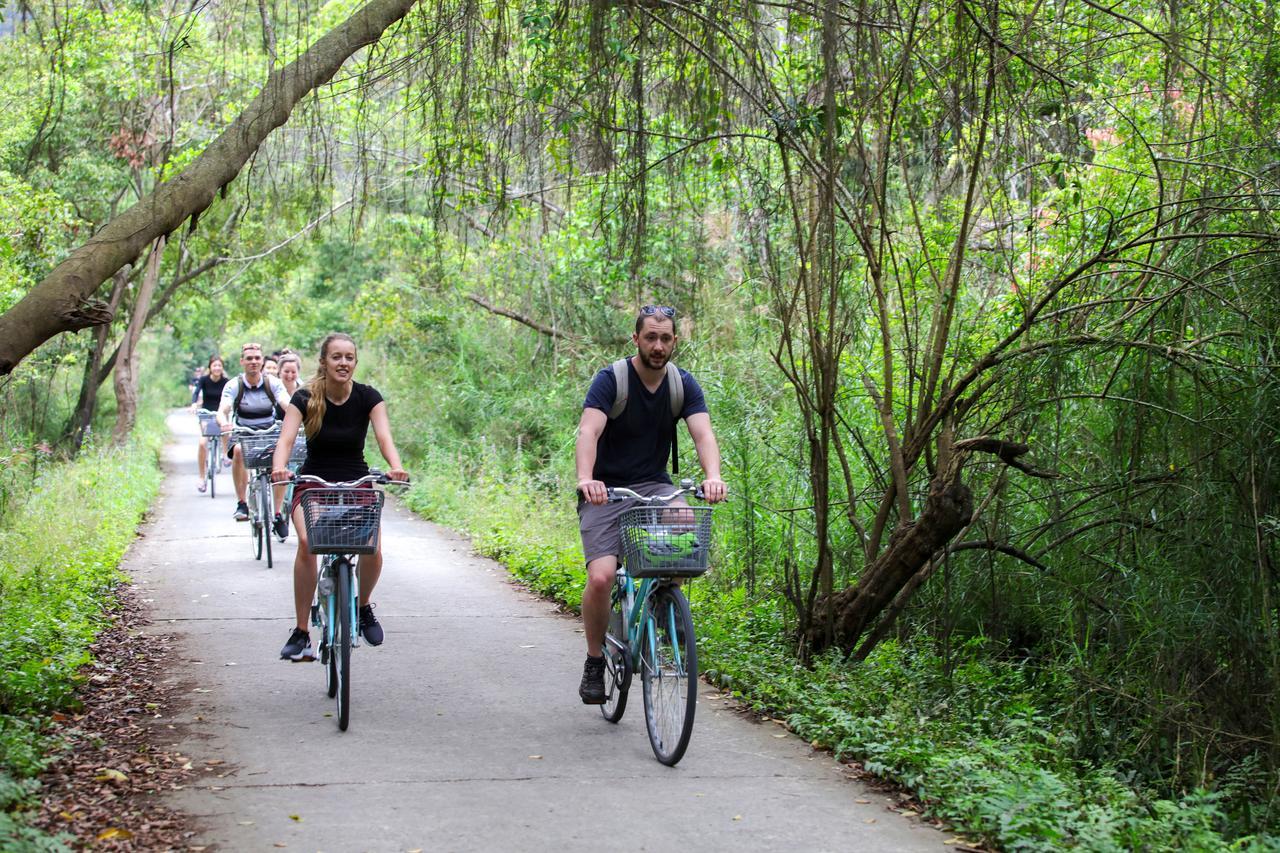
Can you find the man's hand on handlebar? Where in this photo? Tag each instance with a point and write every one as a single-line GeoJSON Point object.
{"type": "Point", "coordinates": [593, 491]}
{"type": "Point", "coordinates": [714, 490]}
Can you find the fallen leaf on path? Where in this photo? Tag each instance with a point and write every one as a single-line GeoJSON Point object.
{"type": "Point", "coordinates": [114, 832]}
{"type": "Point", "coordinates": [528, 647]}
{"type": "Point", "coordinates": [538, 757]}
{"type": "Point", "coordinates": [295, 817]}
{"type": "Point", "coordinates": [245, 822]}
{"type": "Point", "coordinates": [781, 734]}
{"type": "Point", "coordinates": [864, 802]}
{"type": "Point", "coordinates": [870, 820]}
{"type": "Point", "coordinates": [109, 774]}
{"type": "Point", "coordinates": [737, 817]}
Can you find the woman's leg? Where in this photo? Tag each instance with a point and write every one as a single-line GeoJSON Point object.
{"type": "Point", "coordinates": [304, 573]}
{"type": "Point", "coordinates": [370, 568]}
{"type": "Point", "coordinates": [204, 451]}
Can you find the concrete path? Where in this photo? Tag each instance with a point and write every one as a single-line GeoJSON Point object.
{"type": "Point", "coordinates": [466, 729]}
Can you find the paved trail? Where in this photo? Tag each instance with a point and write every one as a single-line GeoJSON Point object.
{"type": "Point", "coordinates": [466, 729]}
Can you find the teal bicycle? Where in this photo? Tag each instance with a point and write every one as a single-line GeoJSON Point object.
{"type": "Point", "coordinates": [650, 625]}
{"type": "Point", "coordinates": [342, 520]}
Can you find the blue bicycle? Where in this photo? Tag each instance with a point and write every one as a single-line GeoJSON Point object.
{"type": "Point", "coordinates": [342, 520]}
{"type": "Point", "coordinates": [650, 624]}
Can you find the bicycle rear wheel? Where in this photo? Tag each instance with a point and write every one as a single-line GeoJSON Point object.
{"type": "Point", "coordinates": [264, 512]}
{"type": "Point", "coordinates": [617, 664]}
{"type": "Point", "coordinates": [669, 672]}
{"type": "Point", "coordinates": [341, 652]}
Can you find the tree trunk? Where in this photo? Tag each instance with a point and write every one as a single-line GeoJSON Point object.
{"type": "Point", "coordinates": [126, 383]}
{"type": "Point", "coordinates": [62, 301]}
{"type": "Point", "coordinates": [88, 401]}
{"type": "Point", "coordinates": [851, 611]}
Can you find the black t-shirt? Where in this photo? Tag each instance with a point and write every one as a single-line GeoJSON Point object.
{"type": "Point", "coordinates": [635, 446]}
{"type": "Point", "coordinates": [209, 392]}
{"type": "Point", "coordinates": [336, 451]}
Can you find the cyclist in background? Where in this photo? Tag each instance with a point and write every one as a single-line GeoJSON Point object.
{"type": "Point", "coordinates": [290, 366]}
{"type": "Point", "coordinates": [207, 394]}
{"type": "Point", "coordinates": [336, 412]}
{"type": "Point", "coordinates": [631, 450]}
{"type": "Point", "coordinates": [271, 366]}
{"type": "Point", "coordinates": [252, 400]}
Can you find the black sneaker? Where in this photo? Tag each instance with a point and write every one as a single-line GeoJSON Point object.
{"type": "Point", "coordinates": [299, 647]}
{"type": "Point", "coordinates": [280, 527]}
{"type": "Point", "coordinates": [592, 687]}
{"type": "Point", "coordinates": [369, 626]}
{"type": "Point", "coordinates": [242, 511]}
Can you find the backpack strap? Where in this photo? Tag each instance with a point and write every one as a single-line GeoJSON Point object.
{"type": "Point", "coordinates": [621, 381]}
{"type": "Point", "coordinates": [276, 411]}
{"type": "Point", "coordinates": [675, 388]}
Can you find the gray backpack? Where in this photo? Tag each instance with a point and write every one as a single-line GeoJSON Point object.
{"type": "Point", "coordinates": [622, 379]}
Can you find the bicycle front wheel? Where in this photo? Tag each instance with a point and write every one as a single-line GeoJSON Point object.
{"type": "Point", "coordinates": [264, 512]}
{"type": "Point", "coordinates": [341, 651]}
{"type": "Point", "coordinates": [211, 464]}
{"type": "Point", "coordinates": [669, 672]}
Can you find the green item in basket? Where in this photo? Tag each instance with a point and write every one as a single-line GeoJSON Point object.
{"type": "Point", "coordinates": [670, 549]}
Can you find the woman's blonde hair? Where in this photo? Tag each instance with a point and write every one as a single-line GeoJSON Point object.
{"type": "Point", "coordinates": [316, 406]}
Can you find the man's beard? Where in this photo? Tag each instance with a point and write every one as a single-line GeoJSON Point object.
{"type": "Point", "coordinates": [647, 362]}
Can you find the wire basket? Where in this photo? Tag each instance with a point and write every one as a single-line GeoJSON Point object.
{"type": "Point", "coordinates": [209, 426]}
{"type": "Point", "coordinates": [342, 521]}
{"type": "Point", "coordinates": [258, 447]}
{"type": "Point", "coordinates": [666, 541]}
{"type": "Point", "coordinates": [299, 454]}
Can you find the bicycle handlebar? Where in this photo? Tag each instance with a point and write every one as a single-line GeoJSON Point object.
{"type": "Point", "coordinates": [372, 477]}
{"type": "Point", "coordinates": [617, 493]}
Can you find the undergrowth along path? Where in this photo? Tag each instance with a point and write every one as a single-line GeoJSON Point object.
{"type": "Point", "coordinates": [466, 730]}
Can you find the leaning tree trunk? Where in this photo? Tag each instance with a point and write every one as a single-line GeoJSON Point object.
{"type": "Point", "coordinates": [63, 302]}
{"type": "Point", "coordinates": [92, 381]}
{"type": "Point", "coordinates": [126, 383]}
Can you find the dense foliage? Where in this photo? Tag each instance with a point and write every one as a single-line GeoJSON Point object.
{"type": "Point", "coordinates": [1014, 256]}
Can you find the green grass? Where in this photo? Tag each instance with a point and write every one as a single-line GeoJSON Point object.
{"type": "Point", "coordinates": [60, 551]}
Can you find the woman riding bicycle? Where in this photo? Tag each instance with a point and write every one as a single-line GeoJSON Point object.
{"type": "Point", "coordinates": [206, 395]}
{"type": "Point", "coordinates": [336, 413]}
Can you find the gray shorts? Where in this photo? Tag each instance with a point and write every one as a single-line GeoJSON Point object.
{"type": "Point", "coordinates": [598, 525]}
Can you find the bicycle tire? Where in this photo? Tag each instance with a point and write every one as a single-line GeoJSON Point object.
{"type": "Point", "coordinates": [669, 673]}
{"type": "Point", "coordinates": [211, 465]}
{"type": "Point", "coordinates": [324, 613]}
{"type": "Point", "coordinates": [342, 650]}
{"type": "Point", "coordinates": [617, 664]}
{"type": "Point", "coordinates": [264, 510]}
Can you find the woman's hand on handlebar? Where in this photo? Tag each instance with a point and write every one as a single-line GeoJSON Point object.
{"type": "Point", "coordinates": [281, 475]}
{"type": "Point", "coordinates": [398, 475]}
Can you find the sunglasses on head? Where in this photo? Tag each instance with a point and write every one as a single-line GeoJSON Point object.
{"type": "Point", "coordinates": [650, 310]}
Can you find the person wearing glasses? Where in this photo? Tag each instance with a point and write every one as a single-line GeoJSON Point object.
{"type": "Point", "coordinates": [630, 449]}
{"type": "Point", "coordinates": [254, 400]}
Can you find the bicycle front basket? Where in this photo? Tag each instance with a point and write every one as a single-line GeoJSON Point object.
{"type": "Point", "coordinates": [299, 454]}
{"type": "Point", "coordinates": [342, 521]}
{"type": "Point", "coordinates": [209, 426]}
{"type": "Point", "coordinates": [666, 541]}
{"type": "Point", "coordinates": [258, 448]}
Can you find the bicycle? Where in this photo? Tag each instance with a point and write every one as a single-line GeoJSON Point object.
{"type": "Point", "coordinates": [342, 520]}
{"type": "Point", "coordinates": [211, 431]}
{"type": "Point", "coordinates": [256, 448]}
{"type": "Point", "coordinates": [296, 458]}
{"type": "Point", "coordinates": [650, 625]}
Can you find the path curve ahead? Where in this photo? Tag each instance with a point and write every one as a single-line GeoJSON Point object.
{"type": "Point", "coordinates": [466, 731]}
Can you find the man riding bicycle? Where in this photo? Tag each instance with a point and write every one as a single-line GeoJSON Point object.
{"type": "Point", "coordinates": [624, 438]}
{"type": "Point", "coordinates": [253, 400]}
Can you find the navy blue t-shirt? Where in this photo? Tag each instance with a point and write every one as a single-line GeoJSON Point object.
{"type": "Point", "coordinates": [635, 446]}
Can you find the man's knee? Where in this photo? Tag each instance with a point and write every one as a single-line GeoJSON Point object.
{"type": "Point", "coordinates": [600, 572]}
